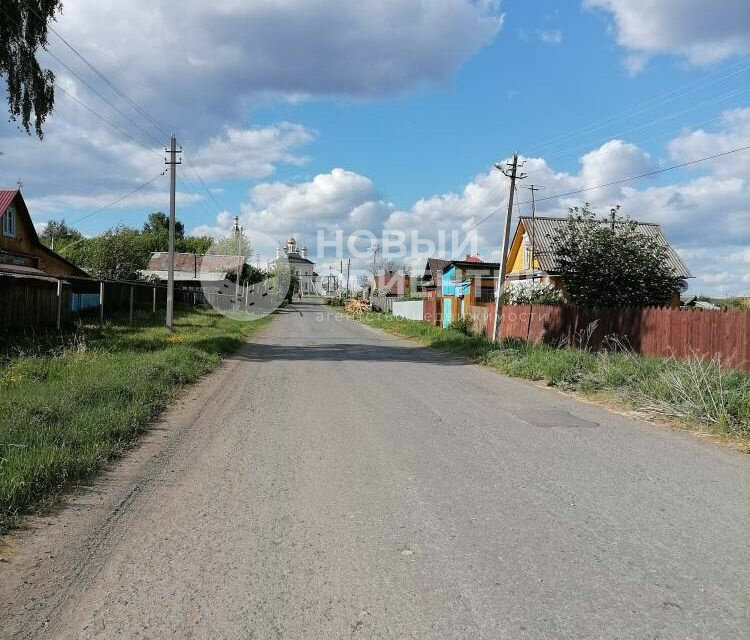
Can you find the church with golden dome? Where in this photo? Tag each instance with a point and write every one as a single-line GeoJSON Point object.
{"type": "Point", "coordinates": [300, 265]}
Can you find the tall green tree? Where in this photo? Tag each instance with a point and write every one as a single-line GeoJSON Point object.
{"type": "Point", "coordinates": [57, 234]}
{"type": "Point", "coordinates": [116, 254]}
{"type": "Point", "coordinates": [230, 245]}
{"type": "Point", "coordinates": [158, 222]}
{"type": "Point", "coordinates": [609, 263]}
{"type": "Point", "coordinates": [31, 90]}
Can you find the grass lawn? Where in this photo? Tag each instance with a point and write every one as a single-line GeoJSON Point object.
{"type": "Point", "coordinates": [71, 401]}
{"type": "Point", "coordinates": [698, 394]}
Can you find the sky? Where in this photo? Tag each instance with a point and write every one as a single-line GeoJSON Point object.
{"type": "Point", "coordinates": [312, 117]}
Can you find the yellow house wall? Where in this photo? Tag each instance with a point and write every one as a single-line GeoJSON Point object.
{"type": "Point", "coordinates": [515, 255]}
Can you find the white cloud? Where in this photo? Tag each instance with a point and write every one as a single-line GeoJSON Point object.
{"type": "Point", "coordinates": [204, 62]}
{"type": "Point", "coordinates": [550, 36]}
{"type": "Point", "coordinates": [702, 32]}
{"type": "Point", "coordinates": [251, 153]}
{"type": "Point", "coordinates": [700, 143]}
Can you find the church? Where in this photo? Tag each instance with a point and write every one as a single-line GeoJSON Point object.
{"type": "Point", "coordinates": [300, 265]}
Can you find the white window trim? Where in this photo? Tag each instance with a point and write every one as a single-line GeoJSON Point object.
{"type": "Point", "coordinates": [9, 223]}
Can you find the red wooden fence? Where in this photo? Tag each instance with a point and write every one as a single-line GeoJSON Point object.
{"type": "Point", "coordinates": [431, 311]}
{"type": "Point", "coordinates": [659, 332]}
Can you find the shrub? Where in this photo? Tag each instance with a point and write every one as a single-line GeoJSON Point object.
{"type": "Point", "coordinates": [533, 293]}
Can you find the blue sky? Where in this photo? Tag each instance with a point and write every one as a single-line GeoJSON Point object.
{"type": "Point", "coordinates": [308, 116]}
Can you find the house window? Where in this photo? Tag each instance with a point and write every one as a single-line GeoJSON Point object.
{"type": "Point", "coordinates": [9, 223]}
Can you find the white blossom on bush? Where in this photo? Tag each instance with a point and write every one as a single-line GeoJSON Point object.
{"type": "Point", "coordinates": [533, 293]}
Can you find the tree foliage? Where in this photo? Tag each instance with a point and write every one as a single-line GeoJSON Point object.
{"type": "Point", "coordinates": [122, 252]}
{"type": "Point", "coordinates": [116, 254]}
{"type": "Point", "coordinates": [231, 245]}
{"type": "Point", "coordinates": [57, 234]}
{"type": "Point", "coordinates": [158, 223]}
{"type": "Point", "coordinates": [609, 263]}
{"type": "Point", "coordinates": [31, 90]}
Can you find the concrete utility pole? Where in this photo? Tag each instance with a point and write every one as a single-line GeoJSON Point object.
{"type": "Point", "coordinates": [172, 163]}
{"type": "Point", "coordinates": [512, 173]}
{"type": "Point", "coordinates": [238, 233]}
{"type": "Point", "coordinates": [533, 189]}
{"type": "Point", "coordinates": [348, 268]}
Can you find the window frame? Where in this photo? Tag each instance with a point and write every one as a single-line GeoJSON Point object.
{"type": "Point", "coordinates": [9, 222]}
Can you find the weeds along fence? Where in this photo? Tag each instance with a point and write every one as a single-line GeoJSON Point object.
{"type": "Point", "coordinates": [680, 333]}
{"type": "Point", "coordinates": [384, 303]}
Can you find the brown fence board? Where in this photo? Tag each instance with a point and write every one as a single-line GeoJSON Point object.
{"type": "Point", "coordinates": [680, 333]}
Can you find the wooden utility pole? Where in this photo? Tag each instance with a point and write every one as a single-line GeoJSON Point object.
{"type": "Point", "coordinates": [172, 163]}
{"type": "Point", "coordinates": [512, 173]}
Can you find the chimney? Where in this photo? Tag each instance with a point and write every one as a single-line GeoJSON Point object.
{"type": "Point", "coordinates": [303, 251]}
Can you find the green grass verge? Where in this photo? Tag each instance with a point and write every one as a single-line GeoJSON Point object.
{"type": "Point", "coordinates": [699, 394]}
{"type": "Point", "coordinates": [71, 401]}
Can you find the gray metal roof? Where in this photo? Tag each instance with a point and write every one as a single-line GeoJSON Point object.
{"type": "Point", "coordinates": [546, 228]}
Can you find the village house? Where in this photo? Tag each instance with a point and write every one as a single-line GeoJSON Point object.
{"type": "Point", "coordinates": [21, 251]}
{"type": "Point", "coordinates": [392, 283]}
{"type": "Point", "coordinates": [531, 256]}
{"type": "Point", "coordinates": [466, 283]}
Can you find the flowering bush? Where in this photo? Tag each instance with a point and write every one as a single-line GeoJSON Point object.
{"type": "Point", "coordinates": [533, 293]}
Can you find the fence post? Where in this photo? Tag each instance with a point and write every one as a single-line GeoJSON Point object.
{"type": "Point", "coordinates": [153, 305]}
{"type": "Point", "coordinates": [131, 303]}
{"type": "Point", "coordinates": [59, 303]}
{"type": "Point", "coordinates": [101, 302]}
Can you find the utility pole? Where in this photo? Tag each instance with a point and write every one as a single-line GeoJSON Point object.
{"type": "Point", "coordinates": [348, 268]}
{"type": "Point", "coordinates": [172, 163]}
{"type": "Point", "coordinates": [512, 173]}
{"type": "Point", "coordinates": [374, 249]}
{"type": "Point", "coordinates": [533, 188]}
{"type": "Point", "coordinates": [238, 233]}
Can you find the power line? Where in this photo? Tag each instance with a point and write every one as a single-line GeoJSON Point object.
{"type": "Point", "coordinates": [207, 190]}
{"type": "Point", "coordinates": [101, 75]}
{"type": "Point", "coordinates": [647, 105]}
{"type": "Point", "coordinates": [614, 182]}
{"type": "Point", "coordinates": [120, 199]}
{"type": "Point", "coordinates": [103, 119]}
{"type": "Point", "coordinates": [652, 122]}
{"type": "Point", "coordinates": [95, 91]}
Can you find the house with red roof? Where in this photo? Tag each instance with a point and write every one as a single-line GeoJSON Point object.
{"type": "Point", "coordinates": [21, 251]}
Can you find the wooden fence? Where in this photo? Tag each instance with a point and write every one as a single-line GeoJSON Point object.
{"type": "Point", "coordinates": [660, 332]}
{"type": "Point", "coordinates": [33, 301]}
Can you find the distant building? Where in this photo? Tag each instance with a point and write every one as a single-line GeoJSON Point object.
{"type": "Point", "coordinates": [300, 265]}
{"type": "Point", "coordinates": [192, 269]}
{"type": "Point", "coordinates": [21, 251]}
{"type": "Point", "coordinates": [392, 283]}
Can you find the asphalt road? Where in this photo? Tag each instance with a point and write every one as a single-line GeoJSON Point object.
{"type": "Point", "coordinates": [331, 481]}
